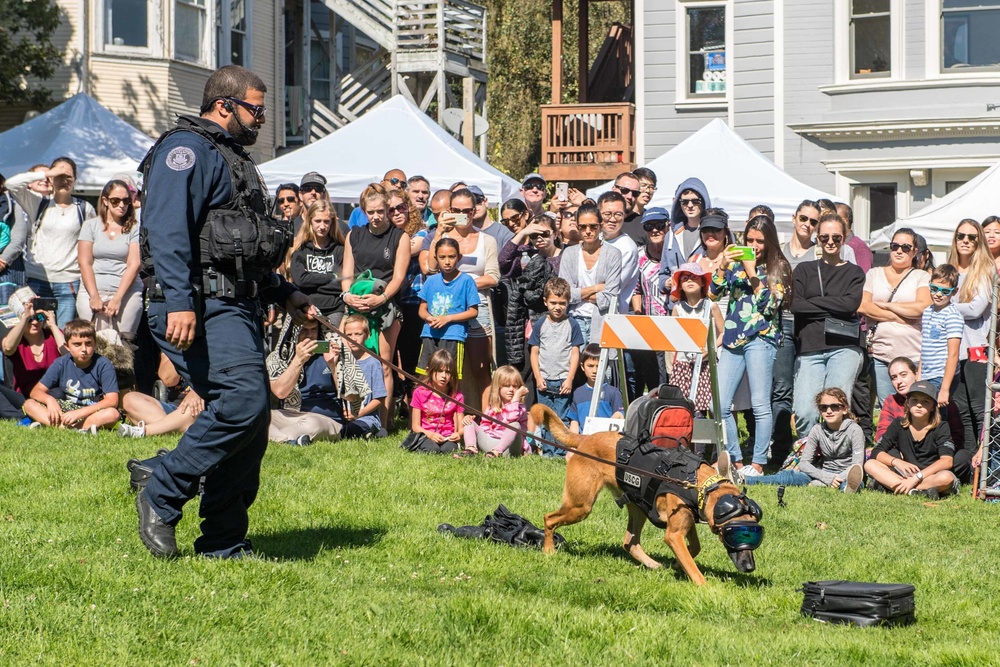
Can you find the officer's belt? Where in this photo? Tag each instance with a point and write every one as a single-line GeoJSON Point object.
{"type": "Point", "coordinates": [215, 285]}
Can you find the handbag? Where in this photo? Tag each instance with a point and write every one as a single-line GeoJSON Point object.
{"type": "Point", "coordinates": [835, 326]}
{"type": "Point", "coordinates": [870, 335]}
{"type": "Point", "coordinates": [859, 603]}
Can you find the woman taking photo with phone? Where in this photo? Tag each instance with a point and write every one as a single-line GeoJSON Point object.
{"type": "Point", "coordinates": [108, 251]}
{"type": "Point", "coordinates": [976, 271]}
{"type": "Point", "coordinates": [828, 293]}
{"type": "Point", "coordinates": [757, 279]}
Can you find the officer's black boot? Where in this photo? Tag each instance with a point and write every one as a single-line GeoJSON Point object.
{"type": "Point", "coordinates": [157, 535]}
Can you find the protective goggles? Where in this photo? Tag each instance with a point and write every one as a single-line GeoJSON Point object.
{"type": "Point", "coordinates": [742, 535]}
{"type": "Point", "coordinates": [730, 506]}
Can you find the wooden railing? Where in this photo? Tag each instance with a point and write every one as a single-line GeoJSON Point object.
{"type": "Point", "coordinates": [587, 141]}
{"type": "Point", "coordinates": [456, 25]}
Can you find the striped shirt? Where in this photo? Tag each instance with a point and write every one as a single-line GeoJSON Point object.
{"type": "Point", "coordinates": [937, 326]}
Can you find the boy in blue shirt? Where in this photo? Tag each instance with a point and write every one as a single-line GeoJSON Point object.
{"type": "Point", "coordinates": [942, 328]}
{"type": "Point", "coordinates": [609, 402]}
{"type": "Point", "coordinates": [79, 390]}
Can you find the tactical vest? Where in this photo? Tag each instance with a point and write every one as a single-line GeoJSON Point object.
{"type": "Point", "coordinates": [641, 490]}
{"type": "Point", "coordinates": [240, 239]}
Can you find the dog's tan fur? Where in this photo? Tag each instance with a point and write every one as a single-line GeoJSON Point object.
{"type": "Point", "coordinates": [585, 478]}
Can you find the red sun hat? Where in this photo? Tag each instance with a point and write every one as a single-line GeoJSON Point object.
{"type": "Point", "coordinates": [692, 269]}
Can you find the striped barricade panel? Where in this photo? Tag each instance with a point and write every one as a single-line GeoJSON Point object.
{"type": "Point", "coordinates": [656, 333]}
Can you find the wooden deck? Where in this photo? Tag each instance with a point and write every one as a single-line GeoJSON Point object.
{"type": "Point", "coordinates": [587, 142]}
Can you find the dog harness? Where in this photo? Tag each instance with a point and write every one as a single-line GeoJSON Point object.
{"type": "Point", "coordinates": [642, 491]}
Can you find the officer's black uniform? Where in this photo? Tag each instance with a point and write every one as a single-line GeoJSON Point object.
{"type": "Point", "coordinates": [187, 177]}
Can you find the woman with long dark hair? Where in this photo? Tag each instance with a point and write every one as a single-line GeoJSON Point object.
{"type": "Point", "coordinates": [757, 287]}
{"type": "Point", "coordinates": [108, 251]}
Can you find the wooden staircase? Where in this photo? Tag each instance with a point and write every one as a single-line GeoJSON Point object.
{"type": "Point", "coordinates": [421, 43]}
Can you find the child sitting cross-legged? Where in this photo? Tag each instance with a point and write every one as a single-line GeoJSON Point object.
{"type": "Point", "coordinates": [609, 401]}
{"type": "Point", "coordinates": [80, 389]}
{"type": "Point", "coordinates": [832, 456]}
{"type": "Point", "coordinates": [504, 402]}
{"type": "Point", "coordinates": [366, 423]}
{"type": "Point", "coordinates": [433, 415]}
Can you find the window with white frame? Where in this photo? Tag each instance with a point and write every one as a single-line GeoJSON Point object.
{"type": "Point", "coordinates": [190, 20]}
{"type": "Point", "coordinates": [705, 42]}
{"type": "Point", "coordinates": [871, 38]}
{"type": "Point", "coordinates": [969, 31]}
{"type": "Point", "coordinates": [232, 32]}
{"type": "Point", "coordinates": [126, 23]}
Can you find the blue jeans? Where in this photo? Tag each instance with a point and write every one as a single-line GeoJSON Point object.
{"type": "Point", "coordinates": [784, 383]}
{"type": "Point", "coordinates": [883, 385]}
{"type": "Point", "coordinates": [780, 478]}
{"type": "Point", "coordinates": [756, 359]}
{"type": "Point", "coordinates": [786, 478]}
{"type": "Point", "coordinates": [227, 441]}
{"type": "Point", "coordinates": [63, 293]}
{"type": "Point", "coordinates": [584, 323]}
{"type": "Point", "coordinates": [560, 403]}
{"type": "Point", "coordinates": [816, 371]}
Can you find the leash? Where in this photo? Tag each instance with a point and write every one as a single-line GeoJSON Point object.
{"type": "Point", "coordinates": [524, 434]}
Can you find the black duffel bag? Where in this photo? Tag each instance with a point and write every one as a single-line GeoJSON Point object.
{"type": "Point", "coordinates": [859, 603]}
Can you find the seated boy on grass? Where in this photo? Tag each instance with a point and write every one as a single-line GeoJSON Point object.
{"type": "Point", "coordinates": [609, 402]}
{"type": "Point", "coordinates": [79, 390]}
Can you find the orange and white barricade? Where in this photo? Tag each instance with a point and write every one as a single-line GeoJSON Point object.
{"type": "Point", "coordinates": [666, 334]}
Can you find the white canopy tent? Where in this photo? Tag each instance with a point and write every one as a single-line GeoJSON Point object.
{"type": "Point", "coordinates": [937, 222]}
{"type": "Point", "coordinates": [394, 135]}
{"type": "Point", "coordinates": [737, 175]}
{"type": "Point", "coordinates": [101, 143]}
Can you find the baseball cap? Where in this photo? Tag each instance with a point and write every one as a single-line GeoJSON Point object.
{"type": "Point", "coordinates": [531, 177]}
{"type": "Point", "coordinates": [713, 222]}
{"type": "Point", "coordinates": [476, 190]}
{"type": "Point", "coordinates": [313, 178]}
{"type": "Point", "coordinates": [923, 387]}
{"type": "Point", "coordinates": [655, 214]}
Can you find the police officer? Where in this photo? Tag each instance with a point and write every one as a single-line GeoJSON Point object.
{"type": "Point", "coordinates": [213, 246]}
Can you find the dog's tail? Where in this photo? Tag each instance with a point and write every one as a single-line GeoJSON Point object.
{"type": "Point", "coordinates": [543, 415]}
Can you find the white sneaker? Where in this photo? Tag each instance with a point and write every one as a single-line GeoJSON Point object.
{"type": "Point", "coordinates": [129, 431]}
{"type": "Point", "coordinates": [89, 431]}
{"type": "Point", "coordinates": [750, 471]}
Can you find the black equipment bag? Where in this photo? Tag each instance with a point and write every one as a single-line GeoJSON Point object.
{"type": "Point", "coordinates": [859, 603]}
{"type": "Point", "coordinates": [418, 442]}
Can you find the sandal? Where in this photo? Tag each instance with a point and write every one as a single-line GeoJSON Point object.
{"type": "Point", "coordinates": [492, 455]}
{"type": "Point", "coordinates": [465, 453]}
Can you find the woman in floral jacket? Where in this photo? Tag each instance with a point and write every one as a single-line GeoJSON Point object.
{"type": "Point", "coordinates": [757, 288]}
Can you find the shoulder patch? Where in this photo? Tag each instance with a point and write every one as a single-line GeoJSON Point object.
{"type": "Point", "coordinates": [180, 158]}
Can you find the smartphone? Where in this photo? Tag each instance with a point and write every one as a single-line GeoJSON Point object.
{"type": "Point", "coordinates": [322, 347]}
{"type": "Point", "coordinates": [747, 253]}
{"type": "Point", "coordinates": [562, 191]}
{"type": "Point", "coordinates": [40, 303]}
{"type": "Point", "coordinates": [461, 219]}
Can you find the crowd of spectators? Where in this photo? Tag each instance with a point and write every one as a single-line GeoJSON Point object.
{"type": "Point", "coordinates": [813, 338]}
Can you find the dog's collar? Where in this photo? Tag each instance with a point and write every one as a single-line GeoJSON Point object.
{"type": "Point", "coordinates": [707, 487]}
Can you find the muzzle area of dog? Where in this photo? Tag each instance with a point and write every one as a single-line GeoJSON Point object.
{"type": "Point", "coordinates": [743, 560]}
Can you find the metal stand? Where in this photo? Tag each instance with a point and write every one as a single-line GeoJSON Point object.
{"type": "Point", "coordinates": [989, 473]}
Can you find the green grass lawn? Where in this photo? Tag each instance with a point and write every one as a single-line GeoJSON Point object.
{"type": "Point", "coordinates": [358, 575]}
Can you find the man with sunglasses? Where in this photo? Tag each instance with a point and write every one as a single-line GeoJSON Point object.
{"type": "Point", "coordinates": [312, 188]}
{"type": "Point", "coordinates": [690, 201]}
{"type": "Point", "coordinates": [204, 308]}
{"type": "Point", "coordinates": [627, 185]}
{"type": "Point", "coordinates": [288, 206]}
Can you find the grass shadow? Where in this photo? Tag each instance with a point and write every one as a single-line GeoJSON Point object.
{"type": "Point", "coordinates": [306, 543]}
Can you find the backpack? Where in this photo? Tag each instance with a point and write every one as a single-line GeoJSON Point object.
{"type": "Point", "coordinates": [665, 417]}
{"type": "Point", "coordinates": [81, 209]}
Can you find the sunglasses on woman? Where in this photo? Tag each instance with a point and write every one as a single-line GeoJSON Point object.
{"type": "Point", "coordinates": [588, 228]}
{"type": "Point", "coordinates": [118, 201]}
{"type": "Point", "coordinates": [539, 235]}
{"type": "Point", "coordinates": [399, 208]}
{"type": "Point", "coordinates": [654, 226]}
{"type": "Point", "coordinates": [806, 218]}
{"type": "Point", "coordinates": [825, 238]}
{"type": "Point", "coordinates": [971, 237]}
{"type": "Point", "coordinates": [905, 247]}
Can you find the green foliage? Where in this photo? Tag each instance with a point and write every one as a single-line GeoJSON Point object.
{"type": "Point", "coordinates": [26, 49]}
{"type": "Point", "coordinates": [358, 575]}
